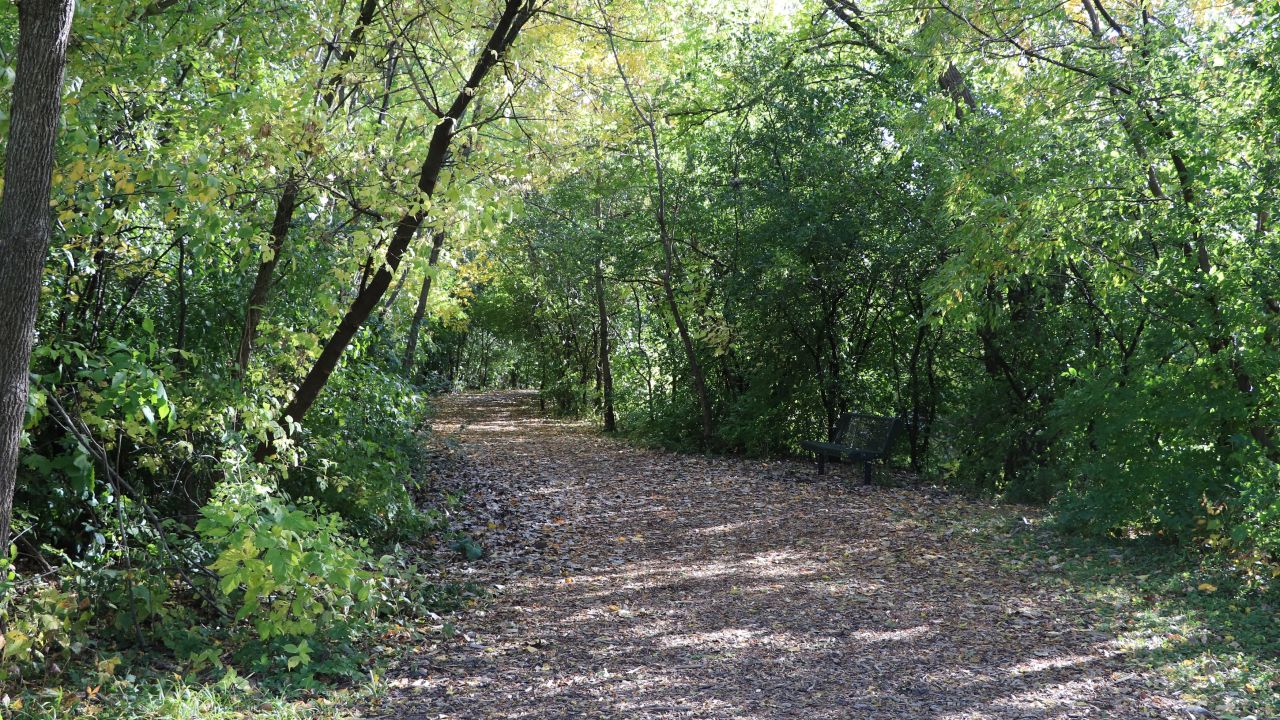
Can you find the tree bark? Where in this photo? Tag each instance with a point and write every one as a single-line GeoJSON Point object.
{"type": "Point", "coordinates": [507, 26]}
{"type": "Point", "coordinates": [606, 371]}
{"type": "Point", "coordinates": [411, 347]}
{"type": "Point", "coordinates": [43, 29]}
{"type": "Point", "coordinates": [266, 273]}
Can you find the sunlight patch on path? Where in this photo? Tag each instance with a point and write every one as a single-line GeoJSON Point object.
{"type": "Point", "coordinates": [640, 584]}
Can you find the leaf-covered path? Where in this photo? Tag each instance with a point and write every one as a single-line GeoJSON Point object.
{"type": "Point", "coordinates": [639, 584]}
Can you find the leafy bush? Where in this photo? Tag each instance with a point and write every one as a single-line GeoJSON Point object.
{"type": "Point", "coordinates": [288, 571]}
{"type": "Point", "coordinates": [363, 445]}
{"type": "Point", "coordinates": [45, 626]}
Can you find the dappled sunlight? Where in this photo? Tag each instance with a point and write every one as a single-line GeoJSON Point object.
{"type": "Point", "coordinates": [722, 529]}
{"type": "Point", "coordinates": [879, 636]}
{"type": "Point", "coordinates": [1040, 664]}
{"type": "Point", "coordinates": [656, 585]}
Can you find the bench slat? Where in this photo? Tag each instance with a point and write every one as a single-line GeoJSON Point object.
{"type": "Point", "coordinates": [857, 437]}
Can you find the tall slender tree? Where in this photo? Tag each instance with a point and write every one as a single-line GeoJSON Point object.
{"type": "Point", "coordinates": [288, 203]}
{"type": "Point", "coordinates": [667, 274]}
{"type": "Point", "coordinates": [419, 312]}
{"type": "Point", "coordinates": [505, 28]}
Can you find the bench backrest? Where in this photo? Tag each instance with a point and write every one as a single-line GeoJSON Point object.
{"type": "Point", "coordinates": [871, 433]}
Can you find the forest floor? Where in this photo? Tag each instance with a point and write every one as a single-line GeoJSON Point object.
{"type": "Point", "coordinates": [636, 583]}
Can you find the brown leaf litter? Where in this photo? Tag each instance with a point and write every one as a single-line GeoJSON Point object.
{"type": "Point", "coordinates": [634, 583]}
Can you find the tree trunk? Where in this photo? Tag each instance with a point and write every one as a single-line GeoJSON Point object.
{"type": "Point", "coordinates": [266, 273]}
{"type": "Point", "coordinates": [686, 341]}
{"type": "Point", "coordinates": [36, 106]}
{"type": "Point", "coordinates": [180, 336]}
{"type": "Point", "coordinates": [668, 251]}
{"type": "Point", "coordinates": [606, 372]}
{"type": "Point", "coordinates": [648, 366]}
{"type": "Point", "coordinates": [411, 348]}
{"type": "Point", "coordinates": [288, 204]}
{"type": "Point", "coordinates": [514, 16]}
{"type": "Point", "coordinates": [334, 84]}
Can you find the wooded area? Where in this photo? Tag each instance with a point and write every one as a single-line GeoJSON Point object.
{"type": "Point", "coordinates": [247, 245]}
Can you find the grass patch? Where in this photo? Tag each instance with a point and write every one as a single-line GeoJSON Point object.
{"type": "Point", "coordinates": [1186, 616]}
{"type": "Point", "coordinates": [176, 698]}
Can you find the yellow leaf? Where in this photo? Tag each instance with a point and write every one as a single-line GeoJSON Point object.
{"type": "Point", "coordinates": [109, 665]}
{"type": "Point", "coordinates": [1208, 587]}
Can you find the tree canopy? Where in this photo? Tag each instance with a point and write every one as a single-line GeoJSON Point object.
{"type": "Point", "coordinates": [1041, 233]}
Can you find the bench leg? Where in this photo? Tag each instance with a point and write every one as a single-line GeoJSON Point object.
{"type": "Point", "coordinates": [822, 464]}
{"type": "Point", "coordinates": [866, 473]}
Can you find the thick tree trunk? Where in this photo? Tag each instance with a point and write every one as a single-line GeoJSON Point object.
{"type": "Point", "coordinates": [606, 371]}
{"type": "Point", "coordinates": [411, 347]}
{"type": "Point", "coordinates": [43, 29]}
{"type": "Point", "coordinates": [266, 273]}
{"type": "Point", "coordinates": [507, 26]}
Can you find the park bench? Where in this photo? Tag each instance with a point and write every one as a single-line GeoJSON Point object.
{"type": "Point", "coordinates": [857, 438]}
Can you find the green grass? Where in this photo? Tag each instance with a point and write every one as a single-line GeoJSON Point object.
{"type": "Point", "coordinates": [179, 700]}
{"type": "Point", "coordinates": [1187, 617]}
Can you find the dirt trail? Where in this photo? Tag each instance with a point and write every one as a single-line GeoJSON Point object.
{"type": "Point", "coordinates": [642, 584]}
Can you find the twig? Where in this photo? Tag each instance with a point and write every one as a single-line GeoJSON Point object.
{"type": "Point", "coordinates": [81, 433]}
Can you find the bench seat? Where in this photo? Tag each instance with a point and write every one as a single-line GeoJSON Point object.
{"type": "Point", "coordinates": [857, 438]}
{"type": "Point", "coordinates": [837, 450]}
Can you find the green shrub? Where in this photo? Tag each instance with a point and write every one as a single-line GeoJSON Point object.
{"type": "Point", "coordinates": [363, 444]}
{"type": "Point", "coordinates": [45, 626]}
{"type": "Point", "coordinates": [288, 572]}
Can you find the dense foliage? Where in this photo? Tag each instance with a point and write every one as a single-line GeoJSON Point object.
{"type": "Point", "coordinates": [227, 188]}
{"type": "Point", "coordinates": [1051, 252]}
{"type": "Point", "coordinates": [1043, 234]}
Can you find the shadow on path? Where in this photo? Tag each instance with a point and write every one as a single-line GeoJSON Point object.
{"type": "Point", "coordinates": [642, 584]}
